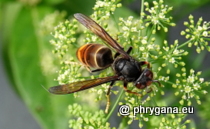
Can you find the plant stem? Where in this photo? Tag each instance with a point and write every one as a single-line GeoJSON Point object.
{"type": "Point", "coordinates": [207, 38]}
{"type": "Point", "coordinates": [116, 102]}
{"type": "Point", "coordinates": [169, 82]}
{"type": "Point", "coordinates": [183, 44]}
{"type": "Point", "coordinates": [142, 9]}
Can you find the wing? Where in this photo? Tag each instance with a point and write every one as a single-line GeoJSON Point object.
{"type": "Point", "coordinates": [99, 31]}
{"type": "Point", "coordinates": [79, 86]}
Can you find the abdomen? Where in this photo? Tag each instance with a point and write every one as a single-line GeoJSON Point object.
{"type": "Point", "coordinates": [95, 55]}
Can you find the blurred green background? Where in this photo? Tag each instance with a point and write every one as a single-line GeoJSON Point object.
{"type": "Point", "coordinates": [22, 49]}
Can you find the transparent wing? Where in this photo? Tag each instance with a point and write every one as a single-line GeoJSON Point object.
{"type": "Point", "coordinates": [99, 31]}
{"type": "Point", "coordinates": [80, 85]}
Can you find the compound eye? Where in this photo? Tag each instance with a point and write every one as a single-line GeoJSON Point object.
{"type": "Point", "coordinates": [140, 86]}
{"type": "Point", "coordinates": [145, 79]}
{"type": "Point", "coordinates": [149, 74]}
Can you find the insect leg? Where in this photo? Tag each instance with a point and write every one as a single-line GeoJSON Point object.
{"type": "Point", "coordinates": [116, 55]}
{"type": "Point", "coordinates": [97, 70]}
{"type": "Point", "coordinates": [157, 82]}
{"type": "Point", "coordinates": [128, 51]}
{"type": "Point", "coordinates": [145, 62]}
{"type": "Point", "coordinates": [129, 91]}
{"type": "Point", "coordinates": [108, 96]}
{"type": "Point", "coordinates": [150, 89]}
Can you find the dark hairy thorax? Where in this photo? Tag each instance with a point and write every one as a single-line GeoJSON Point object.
{"type": "Point", "coordinates": [128, 69]}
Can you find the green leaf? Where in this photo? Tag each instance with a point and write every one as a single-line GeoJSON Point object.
{"type": "Point", "coordinates": [22, 60]}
